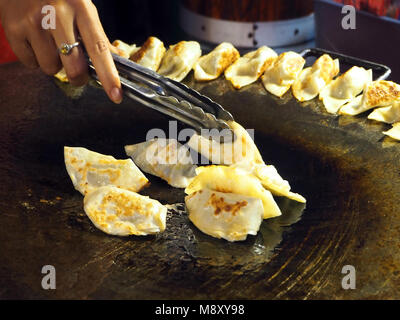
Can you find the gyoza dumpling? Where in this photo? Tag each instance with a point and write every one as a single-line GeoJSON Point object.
{"type": "Point", "coordinates": [164, 158]}
{"type": "Point", "coordinates": [394, 132]}
{"type": "Point", "coordinates": [344, 88]}
{"type": "Point", "coordinates": [180, 59]}
{"type": "Point", "coordinates": [122, 213]}
{"type": "Point", "coordinates": [90, 170]}
{"type": "Point", "coordinates": [150, 54]}
{"type": "Point", "coordinates": [234, 180]}
{"type": "Point", "coordinates": [210, 66]}
{"type": "Point", "coordinates": [126, 50]}
{"type": "Point", "coordinates": [270, 179]}
{"type": "Point", "coordinates": [390, 114]}
{"type": "Point", "coordinates": [250, 67]}
{"type": "Point", "coordinates": [242, 148]}
{"type": "Point", "coordinates": [313, 79]}
{"type": "Point", "coordinates": [376, 94]}
{"type": "Point", "coordinates": [225, 215]}
{"type": "Point", "coordinates": [280, 75]}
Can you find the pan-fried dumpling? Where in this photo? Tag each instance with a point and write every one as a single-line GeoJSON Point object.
{"type": "Point", "coordinates": [150, 54]}
{"type": "Point", "coordinates": [126, 50]}
{"type": "Point", "coordinates": [390, 114]}
{"type": "Point", "coordinates": [122, 213]}
{"type": "Point", "coordinates": [234, 180]}
{"type": "Point", "coordinates": [250, 67]}
{"type": "Point", "coordinates": [352, 104]}
{"type": "Point", "coordinates": [90, 170]}
{"type": "Point", "coordinates": [225, 215]}
{"type": "Point", "coordinates": [345, 88]}
{"type": "Point", "coordinates": [279, 76]}
{"type": "Point", "coordinates": [376, 94]}
{"type": "Point", "coordinates": [180, 59]}
{"type": "Point", "coordinates": [242, 148]}
{"type": "Point", "coordinates": [313, 79]}
{"type": "Point", "coordinates": [394, 132]}
{"type": "Point", "coordinates": [270, 179]}
{"type": "Point", "coordinates": [164, 158]}
{"type": "Point", "coordinates": [210, 66]}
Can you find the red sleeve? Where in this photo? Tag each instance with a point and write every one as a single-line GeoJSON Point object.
{"type": "Point", "coordinates": [6, 53]}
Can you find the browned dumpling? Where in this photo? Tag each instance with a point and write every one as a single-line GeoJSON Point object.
{"type": "Point", "coordinates": [122, 212]}
{"type": "Point", "coordinates": [234, 180]}
{"type": "Point", "coordinates": [313, 79]}
{"type": "Point", "coordinates": [250, 67]}
{"type": "Point", "coordinates": [279, 76]}
{"type": "Point", "coordinates": [380, 93]}
{"type": "Point", "coordinates": [164, 158]}
{"type": "Point", "coordinates": [150, 54]}
{"type": "Point", "coordinates": [390, 114]}
{"type": "Point", "coordinates": [344, 88]}
{"type": "Point", "coordinates": [228, 216]}
{"type": "Point", "coordinates": [394, 132]}
{"type": "Point", "coordinates": [90, 170]}
{"type": "Point", "coordinates": [211, 66]}
{"type": "Point", "coordinates": [125, 50]}
{"type": "Point", "coordinates": [180, 59]}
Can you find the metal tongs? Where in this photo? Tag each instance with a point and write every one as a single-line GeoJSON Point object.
{"type": "Point", "coordinates": [180, 102]}
{"type": "Point", "coordinates": [171, 98]}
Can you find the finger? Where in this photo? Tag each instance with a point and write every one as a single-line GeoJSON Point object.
{"type": "Point", "coordinates": [98, 48]}
{"type": "Point", "coordinates": [24, 53]}
{"type": "Point", "coordinates": [46, 51]}
{"type": "Point", "coordinates": [16, 36]}
{"type": "Point", "coordinates": [75, 64]}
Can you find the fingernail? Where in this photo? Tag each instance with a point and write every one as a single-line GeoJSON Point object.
{"type": "Point", "coordinates": [116, 95]}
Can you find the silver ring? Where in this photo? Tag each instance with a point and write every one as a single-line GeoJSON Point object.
{"type": "Point", "coordinates": [66, 48]}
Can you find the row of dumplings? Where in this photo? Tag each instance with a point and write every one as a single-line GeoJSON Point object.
{"type": "Point", "coordinates": [228, 199]}
{"type": "Point", "coordinates": [279, 72]}
{"type": "Point", "coordinates": [351, 93]}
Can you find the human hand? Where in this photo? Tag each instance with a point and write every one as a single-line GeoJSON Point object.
{"type": "Point", "coordinates": [35, 46]}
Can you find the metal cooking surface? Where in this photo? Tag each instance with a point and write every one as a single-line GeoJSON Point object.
{"type": "Point", "coordinates": [344, 167]}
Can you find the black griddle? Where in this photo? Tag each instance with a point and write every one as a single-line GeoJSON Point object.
{"type": "Point", "coordinates": [344, 166]}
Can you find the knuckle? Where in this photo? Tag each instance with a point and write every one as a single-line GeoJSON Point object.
{"type": "Point", "coordinates": [76, 72]}
{"type": "Point", "coordinates": [33, 20]}
{"type": "Point", "coordinates": [61, 9]}
{"type": "Point", "coordinates": [13, 29]}
{"type": "Point", "coordinates": [100, 46]}
{"type": "Point", "coordinates": [51, 69]}
{"type": "Point", "coordinates": [53, 3]}
{"type": "Point", "coordinates": [82, 4]}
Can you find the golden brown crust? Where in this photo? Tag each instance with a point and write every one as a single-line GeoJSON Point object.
{"type": "Point", "coordinates": [266, 64]}
{"type": "Point", "coordinates": [382, 92]}
{"type": "Point", "coordinates": [219, 205]}
{"type": "Point", "coordinates": [138, 55]}
{"type": "Point", "coordinates": [227, 58]}
{"type": "Point", "coordinates": [328, 68]}
{"type": "Point", "coordinates": [179, 47]}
